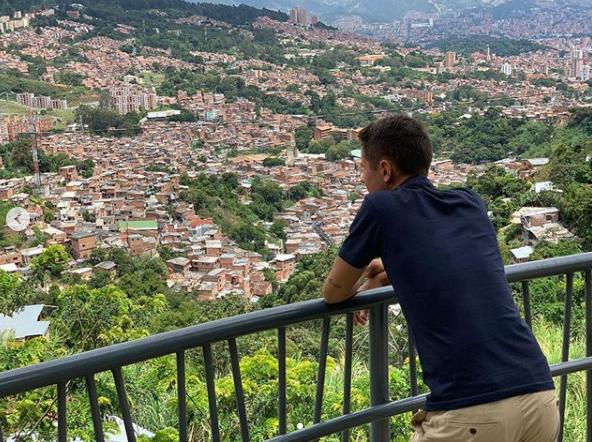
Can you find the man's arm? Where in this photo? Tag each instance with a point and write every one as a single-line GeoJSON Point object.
{"type": "Point", "coordinates": [342, 282]}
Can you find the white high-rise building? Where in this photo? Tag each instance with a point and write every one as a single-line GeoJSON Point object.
{"type": "Point", "coordinates": [585, 72]}
{"type": "Point", "coordinates": [507, 69]}
{"type": "Point", "coordinates": [576, 63]}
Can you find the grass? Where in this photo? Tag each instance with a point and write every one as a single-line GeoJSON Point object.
{"type": "Point", "coordinates": [62, 117]}
{"type": "Point", "coordinates": [88, 98]}
{"type": "Point", "coordinates": [550, 338]}
{"type": "Point", "coordinates": [152, 78]}
{"type": "Point", "coordinates": [10, 107]}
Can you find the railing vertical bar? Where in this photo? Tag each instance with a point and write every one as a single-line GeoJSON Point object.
{"type": "Point", "coordinates": [94, 408]}
{"type": "Point", "coordinates": [207, 353]}
{"type": "Point", "coordinates": [379, 382]}
{"type": "Point", "coordinates": [526, 302]}
{"type": "Point", "coordinates": [565, 349]}
{"type": "Point", "coordinates": [238, 389]}
{"type": "Point", "coordinates": [412, 364]}
{"type": "Point", "coordinates": [62, 421]}
{"type": "Point", "coordinates": [181, 396]}
{"type": "Point", "coordinates": [124, 405]}
{"type": "Point", "coordinates": [282, 379]}
{"type": "Point", "coordinates": [347, 370]}
{"type": "Point", "coordinates": [321, 373]}
{"type": "Point", "coordinates": [588, 294]}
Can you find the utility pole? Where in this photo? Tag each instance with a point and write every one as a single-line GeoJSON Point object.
{"type": "Point", "coordinates": [80, 123]}
{"type": "Point", "coordinates": [35, 149]}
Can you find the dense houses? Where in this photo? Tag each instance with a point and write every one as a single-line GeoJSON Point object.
{"type": "Point", "coordinates": [132, 200]}
{"type": "Point", "coordinates": [11, 61]}
{"type": "Point", "coordinates": [11, 126]}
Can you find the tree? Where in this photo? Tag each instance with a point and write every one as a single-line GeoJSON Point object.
{"type": "Point", "coordinates": [582, 119]}
{"type": "Point", "coordinates": [576, 210]}
{"type": "Point", "coordinates": [52, 262]}
{"type": "Point", "coordinates": [100, 278]}
{"type": "Point", "coordinates": [70, 78]}
{"type": "Point", "coordinates": [546, 249]}
{"type": "Point", "coordinates": [143, 276]}
{"type": "Point", "coordinates": [270, 276]}
{"type": "Point", "coordinates": [14, 294]}
{"type": "Point", "coordinates": [273, 162]}
{"type": "Point", "coordinates": [267, 191]}
{"type": "Point", "coordinates": [341, 150]}
{"type": "Point", "coordinates": [93, 318]}
{"type": "Point", "coordinates": [495, 182]}
{"type": "Point", "coordinates": [303, 190]}
{"type": "Point", "coordinates": [102, 120]}
{"type": "Point", "coordinates": [568, 161]}
{"type": "Point", "coordinates": [303, 136]}
{"type": "Point", "coordinates": [320, 146]}
{"type": "Point", "coordinates": [277, 229]}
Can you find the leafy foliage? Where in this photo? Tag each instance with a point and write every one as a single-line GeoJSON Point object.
{"type": "Point", "coordinates": [104, 121]}
{"type": "Point", "coordinates": [273, 162]}
{"type": "Point", "coordinates": [496, 183]}
{"type": "Point", "coordinates": [51, 263]}
{"type": "Point", "coordinates": [14, 293]}
{"type": "Point", "coordinates": [504, 47]}
{"type": "Point", "coordinates": [341, 150]}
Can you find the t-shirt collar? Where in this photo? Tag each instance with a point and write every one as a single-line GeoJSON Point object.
{"type": "Point", "coordinates": [417, 180]}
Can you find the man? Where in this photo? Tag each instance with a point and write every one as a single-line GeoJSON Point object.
{"type": "Point", "coordinates": [488, 378]}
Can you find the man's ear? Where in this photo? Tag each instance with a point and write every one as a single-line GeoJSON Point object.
{"type": "Point", "coordinates": [387, 170]}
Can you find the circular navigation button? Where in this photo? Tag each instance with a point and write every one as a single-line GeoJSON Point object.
{"type": "Point", "coordinates": [18, 219]}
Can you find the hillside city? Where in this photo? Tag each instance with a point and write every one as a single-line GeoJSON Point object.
{"type": "Point", "coordinates": [171, 157]}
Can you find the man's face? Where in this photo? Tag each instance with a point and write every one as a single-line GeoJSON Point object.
{"type": "Point", "coordinates": [372, 176]}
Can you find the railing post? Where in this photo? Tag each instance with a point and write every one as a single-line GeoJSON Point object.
{"type": "Point", "coordinates": [379, 379]}
{"type": "Point", "coordinates": [588, 316]}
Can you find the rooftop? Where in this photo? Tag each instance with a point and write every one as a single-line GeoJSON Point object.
{"type": "Point", "coordinates": [24, 323]}
{"type": "Point", "coordinates": [149, 224]}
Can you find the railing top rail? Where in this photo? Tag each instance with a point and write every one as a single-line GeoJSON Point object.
{"type": "Point", "coordinates": [117, 355]}
{"type": "Point", "coordinates": [549, 267]}
{"type": "Point", "coordinates": [126, 353]}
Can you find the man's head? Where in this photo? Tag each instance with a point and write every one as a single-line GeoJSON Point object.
{"type": "Point", "coordinates": [394, 148]}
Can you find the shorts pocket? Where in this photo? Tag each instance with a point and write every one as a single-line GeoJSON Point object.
{"type": "Point", "coordinates": [470, 416]}
{"type": "Point", "coordinates": [481, 430]}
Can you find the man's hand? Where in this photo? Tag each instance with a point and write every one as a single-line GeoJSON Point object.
{"type": "Point", "coordinates": [374, 268]}
{"type": "Point", "coordinates": [378, 279]}
{"type": "Point", "coordinates": [361, 317]}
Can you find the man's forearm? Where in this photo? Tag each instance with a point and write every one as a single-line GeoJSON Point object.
{"type": "Point", "coordinates": [342, 282]}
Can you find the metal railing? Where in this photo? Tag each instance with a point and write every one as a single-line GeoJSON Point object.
{"type": "Point", "coordinates": [112, 358]}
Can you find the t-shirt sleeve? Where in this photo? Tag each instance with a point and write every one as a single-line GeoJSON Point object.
{"type": "Point", "coordinates": [363, 243]}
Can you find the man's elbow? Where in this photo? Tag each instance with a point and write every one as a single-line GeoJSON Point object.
{"type": "Point", "coordinates": [330, 298]}
{"type": "Point", "coordinates": [334, 296]}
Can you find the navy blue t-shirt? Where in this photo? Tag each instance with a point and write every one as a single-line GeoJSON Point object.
{"type": "Point", "coordinates": [440, 252]}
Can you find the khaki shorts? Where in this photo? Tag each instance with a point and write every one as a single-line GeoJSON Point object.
{"type": "Point", "coordinates": [532, 417]}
